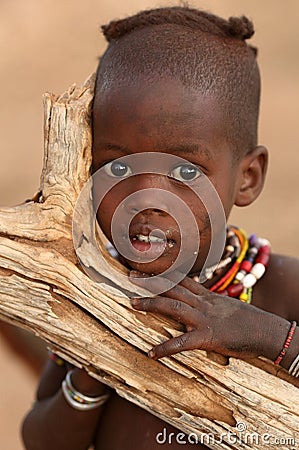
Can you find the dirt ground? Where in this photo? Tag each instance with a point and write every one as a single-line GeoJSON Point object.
{"type": "Point", "coordinates": [48, 45]}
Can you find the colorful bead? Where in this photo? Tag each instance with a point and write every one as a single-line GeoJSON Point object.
{"type": "Point", "coordinates": [249, 280]}
{"type": "Point", "coordinates": [251, 260]}
{"type": "Point", "coordinates": [234, 290]}
{"type": "Point", "coordinates": [287, 343]}
{"type": "Point", "coordinates": [240, 275]}
{"type": "Point", "coordinates": [246, 265]}
{"type": "Point", "coordinates": [253, 240]}
{"type": "Point", "coordinates": [55, 358]}
{"type": "Point", "coordinates": [264, 242]}
{"type": "Point", "coordinates": [263, 258]}
{"type": "Point", "coordinates": [244, 297]}
{"type": "Point", "coordinates": [246, 260]}
{"type": "Point", "coordinates": [258, 270]}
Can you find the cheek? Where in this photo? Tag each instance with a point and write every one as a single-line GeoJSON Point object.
{"type": "Point", "coordinates": [226, 185]}
{"type": "Point", "coordinates": [106, 210]}
{"type": "Point", "coordinates": [104, 217]}
{"type": "Point", "coordinates": [200, 208]}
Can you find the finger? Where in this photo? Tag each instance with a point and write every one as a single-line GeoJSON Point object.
{"type": "Point", "coordinates": [156, 285]}
{"type": "Point", "coordinates": [194, 286]}
{"type": "Point", "coordinates": [184, 295]}
{"type": "Point", "coordinates": [181, 292]}
{"type": "Point", "coordinates": [184, 291]}
{"type": "Point", "coordinates": [186, 341]}
{"type": "Point", "coordinates": [173, 308]}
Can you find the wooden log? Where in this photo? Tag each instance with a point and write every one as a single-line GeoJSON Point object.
{"type": "Point", "coordinates": [91, 323]}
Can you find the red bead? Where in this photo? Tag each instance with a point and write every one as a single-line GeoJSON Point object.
{"type": "Point", "coordinates": [235, 290]}
{"type": "Point", "coordinates": [265, 249]}
{"type": "Point", "coordinates": [246, 265]}
{"type": "Point", "coordinates": [262, 258]}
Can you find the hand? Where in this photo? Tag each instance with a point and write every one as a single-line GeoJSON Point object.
{"type": "Point", "coordinates": [213, 322]}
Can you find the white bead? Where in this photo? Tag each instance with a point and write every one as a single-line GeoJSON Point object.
{"type": "Point", "coordinates": [249, 280]}
{"type": "Point", "coordinates": [258, 270]}
{"type": "Point", "coordinates": [263, 242]}
{"type": "Point", "coordinates": [229, 248]}
{"type": "Point", "coordinates": [240, 276]}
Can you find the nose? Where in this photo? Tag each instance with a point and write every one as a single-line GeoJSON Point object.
{"type": "Point", "coordinates": [148, 193]}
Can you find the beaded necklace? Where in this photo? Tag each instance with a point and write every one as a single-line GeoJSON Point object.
{"type": "Point", "coordinates": [246, 259]}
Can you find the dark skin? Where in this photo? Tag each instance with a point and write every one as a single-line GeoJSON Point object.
{"type": "Point", "coordinates": [168, 118]}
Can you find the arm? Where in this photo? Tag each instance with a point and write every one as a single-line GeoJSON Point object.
{"type": "Point", "coordinates": [221, 324]}
{"type": "Point", "coordinates": [53, 423]}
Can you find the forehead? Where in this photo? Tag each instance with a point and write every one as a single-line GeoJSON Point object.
{"type": "Point", "coordinates": [153, 115]}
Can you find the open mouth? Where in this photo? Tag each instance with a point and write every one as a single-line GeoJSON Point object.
{"type": "Point", "coordinates": [154, 241]}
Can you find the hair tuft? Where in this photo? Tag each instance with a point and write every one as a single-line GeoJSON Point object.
{"type": "Point", "coordinates": [240, 27]}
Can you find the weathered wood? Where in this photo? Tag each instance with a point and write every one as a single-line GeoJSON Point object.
{"type": "Point", "coordinates": [91, 323]}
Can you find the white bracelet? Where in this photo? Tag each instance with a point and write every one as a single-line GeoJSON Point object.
{"type": "Point", "coordinates": [78, 400]}
{"type": "Point", "coordinates": [294, 367]}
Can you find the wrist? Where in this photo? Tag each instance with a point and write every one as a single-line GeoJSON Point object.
{"type": "Point", "coordinates": [77, 399]}
{"type": "Point", "coordinates": [86, 384]}
{"type": "Point", "coordinates": [275, 337]}
{"type": "Point", "coordinates": [292, 351]}
{"type": "Point", "coordinates": [284, 336]}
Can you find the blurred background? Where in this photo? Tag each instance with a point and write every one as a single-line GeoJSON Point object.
{"type": "Point", "coordinates": [47, 45]}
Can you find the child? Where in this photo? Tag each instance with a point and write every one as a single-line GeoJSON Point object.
{"type": "Point", "coordinates": [181, 82]}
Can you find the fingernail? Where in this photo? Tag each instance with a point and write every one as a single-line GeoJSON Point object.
{"type": "Point", "coordinates": [134, 301]}
{"type": "Point", "coordinates": [133, 273]}
{"type": "Point", "coordinates": [151, 354]}
{"type": "Point", "coordinates": [137, 274]}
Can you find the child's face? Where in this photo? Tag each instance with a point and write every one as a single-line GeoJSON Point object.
{"type": "Point", "coordinates": [168, 118]}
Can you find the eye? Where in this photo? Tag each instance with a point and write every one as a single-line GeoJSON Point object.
{"type": "Point", "coordinates": [118, 169]}
{"type": "Point", "coordinates": [185, 172]}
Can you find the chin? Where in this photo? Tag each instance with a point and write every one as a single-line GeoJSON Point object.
{"type": "Point", "coordinates": [152, 268]}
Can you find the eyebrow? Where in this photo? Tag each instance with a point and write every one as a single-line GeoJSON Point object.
{"type": "Point", "coordinates": [110, 146]}
{"type": "Point", "coordinates": [176, 149]}
{"type": "Point", "coordinates": [187, 149]}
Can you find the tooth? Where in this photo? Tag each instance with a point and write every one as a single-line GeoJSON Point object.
{"type": "Point", "coordinates": [148, 239]}
{"type": "Point", "coordinates": [156, 239]}
{"type": "Point", "coordinates": [142, 238]}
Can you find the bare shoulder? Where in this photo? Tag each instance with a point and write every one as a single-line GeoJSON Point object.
{"type": "Point", "coordinates": [278, 290]}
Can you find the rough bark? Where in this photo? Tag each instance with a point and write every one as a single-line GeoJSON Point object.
{"type": "Point", "coordinates": [91, 323]}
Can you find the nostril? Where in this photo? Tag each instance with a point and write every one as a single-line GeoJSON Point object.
{"type": "Point", "coordinates": [147, 211]}
{"type": "Point", "coordinates": [148, 200]}
{"type": "Point", "coordinates": [159, 211]}
{"type": "Point", "coordinates": [154, 211]}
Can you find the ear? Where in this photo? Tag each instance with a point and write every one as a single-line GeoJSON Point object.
{"type": "Point", "coordinates": [252, 176]}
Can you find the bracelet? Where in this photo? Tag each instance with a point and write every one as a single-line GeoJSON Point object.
{"type": "Point", "coordinates": [287, 343]}
{"type": "Point", "coordinates": [294, 367]}
{"type": "Point", "coordinates": [78, 400]}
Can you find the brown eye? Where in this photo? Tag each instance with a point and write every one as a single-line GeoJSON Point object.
{"type": "Point", "coordinates": [185, 172]}
{"type": "Point", "coordinates": [118, 169]}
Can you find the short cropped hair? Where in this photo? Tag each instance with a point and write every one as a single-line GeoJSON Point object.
{"type": "Point", "coordinates": [201, 50]}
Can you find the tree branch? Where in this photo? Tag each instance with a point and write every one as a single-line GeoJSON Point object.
{"type": "Point", "coordinates": [91, 323]}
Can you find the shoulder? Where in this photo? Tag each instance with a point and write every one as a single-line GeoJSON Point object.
{"type": "Point", "coordinates": [278, 290]}
{"type": "Point", "coordinates": [284, 267]}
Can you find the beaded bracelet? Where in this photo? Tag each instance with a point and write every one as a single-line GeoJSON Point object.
{"type": "Point", "coordinates": [78, 400]}
{"type": "Point", "coordinates": [294, 367]}
{"type": "Point", "coordinates": [287, 343]}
